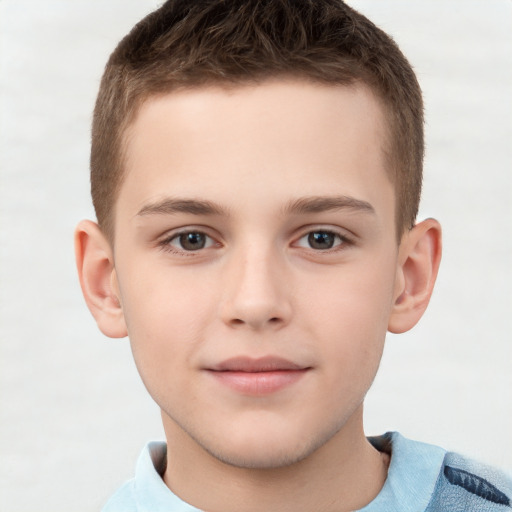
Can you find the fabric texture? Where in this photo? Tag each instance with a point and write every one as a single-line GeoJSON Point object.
{"type": "Point", "coordinates": [421, 478]}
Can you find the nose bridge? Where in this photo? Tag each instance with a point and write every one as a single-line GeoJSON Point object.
{"type": "Point", "coordinates": [257, 294]}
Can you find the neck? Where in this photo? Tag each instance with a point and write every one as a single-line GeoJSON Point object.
{"type": "Point", "coordinates": [344, 474]}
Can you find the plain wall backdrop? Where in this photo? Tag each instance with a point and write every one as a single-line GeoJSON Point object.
{"type": "Point", "coordinates": [73, 413]}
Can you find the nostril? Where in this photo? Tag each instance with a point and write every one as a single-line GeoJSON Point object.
{"type": "Point", "coordinates": [237, 321]}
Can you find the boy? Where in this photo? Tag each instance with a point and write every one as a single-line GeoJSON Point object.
{"type": "Point", "coordinates": [256, 174]}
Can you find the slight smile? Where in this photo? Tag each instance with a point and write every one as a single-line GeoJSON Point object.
{"type": "Point", "coordinates": [255, 377]}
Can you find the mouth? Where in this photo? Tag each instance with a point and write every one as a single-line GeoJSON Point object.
{"type": "Point", "coordinates": [262, 376]}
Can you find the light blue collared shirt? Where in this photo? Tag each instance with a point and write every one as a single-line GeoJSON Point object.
{"type": "Point", "coordinates": [421, 478]}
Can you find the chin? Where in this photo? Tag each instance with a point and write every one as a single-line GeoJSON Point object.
{"type": "Point", "coordinates": [259, 457]}
{"type": "Point", "coordinates": [266, 450]}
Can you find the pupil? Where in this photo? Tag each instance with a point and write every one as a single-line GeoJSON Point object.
{"type": "Point", "coordinates": [192, 241]}
{"type": "Point", "coordinates": [321, 240]}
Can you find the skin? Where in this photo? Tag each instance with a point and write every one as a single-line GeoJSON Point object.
{"type": "Point", "coordinates": [256, 173]}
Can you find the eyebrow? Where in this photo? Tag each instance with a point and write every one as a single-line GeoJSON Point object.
{"type": "Point", "coordinates": [303, 205]}
{"type": "Point", "coordinates": [169, 206]}
{"type": "Point", "coordinates": [317, 204]}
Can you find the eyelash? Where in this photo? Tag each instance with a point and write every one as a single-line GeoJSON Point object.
{"type": "Point", "coordinates": [165, 244]}
{"type": "Point", "coordinates": [343, 241]}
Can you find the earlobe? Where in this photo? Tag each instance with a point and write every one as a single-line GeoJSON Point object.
{"type": "Point", "coordinates": [95, 264]}
{"type": "Point", "coordinates": [419, 258]}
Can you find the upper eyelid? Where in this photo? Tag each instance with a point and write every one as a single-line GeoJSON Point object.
{"type": "Point", "coordinates": [343, 233]}
{"type": "Point", "coordinates": [164, 244]}
{"type": "Point", "coordinates": [343, 239]}
{"type": "Point", "coordinates": [175, 232]}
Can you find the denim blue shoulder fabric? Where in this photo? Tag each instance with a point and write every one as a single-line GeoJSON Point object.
{"type": "Point", "coordinates": [421, 478]}
{"type": "Point", "coordinates": [465, 485]}
{"type": "Point", "coordinates": [426, 478]}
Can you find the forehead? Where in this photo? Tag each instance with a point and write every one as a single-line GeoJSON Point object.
{"type": "Point", "coordinates": [279, 137]}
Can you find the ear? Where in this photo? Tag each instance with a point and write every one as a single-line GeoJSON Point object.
{"type": "Point", "coordinates": [95, 263]}
{"type": "Point", "coordinates": [418, 262]}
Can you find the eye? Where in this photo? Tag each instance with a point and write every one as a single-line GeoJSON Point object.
{"type": "Point", "coordinates": [188, 241]}
{"type": "Point", "coordinates": [321, 240]}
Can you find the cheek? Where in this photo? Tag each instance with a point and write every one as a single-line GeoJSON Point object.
{"type": "Point", "coordinates": [349, 313]}
{"type": "Point", "coordinates": [158, 299]}
{"type": "Point", "coordinates": [165, 316]}
{"type": "Point", "coordinates": [164, 336]}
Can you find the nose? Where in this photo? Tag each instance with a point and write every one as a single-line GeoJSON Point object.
{"type": "Point", "coordinates": [256, 292]}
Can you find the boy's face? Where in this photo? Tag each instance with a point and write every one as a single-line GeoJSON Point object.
{"type": "Point", "coordinates": [256, 263]}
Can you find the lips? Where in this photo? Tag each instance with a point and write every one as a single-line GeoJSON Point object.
{"type": "Point", "coordinates": [262, 364]}
{"type": "Point", "coordinates": [262, 376]}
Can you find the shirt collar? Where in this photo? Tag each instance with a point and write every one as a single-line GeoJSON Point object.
{"type": "Point", "coordinates": [413, 472]}
{"type": "Point", "coordinates": [151, 493]}
{"type": "Point", "coordinates": [412, 476]}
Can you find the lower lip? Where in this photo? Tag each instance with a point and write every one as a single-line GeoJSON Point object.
{"type": "Point", "coordinates": [259, 383]}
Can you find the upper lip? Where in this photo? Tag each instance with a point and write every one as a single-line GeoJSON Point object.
{"type": "Point", "coordinates": [255, 365]}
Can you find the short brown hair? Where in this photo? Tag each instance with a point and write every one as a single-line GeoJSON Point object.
{"type": "Point", "coordinates": [191, 43]}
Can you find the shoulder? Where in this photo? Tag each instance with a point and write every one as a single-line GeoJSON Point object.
{"type": "Point", "coordinates": [466, 485]}
{"type": "Point", "coordinates": [427, 478]}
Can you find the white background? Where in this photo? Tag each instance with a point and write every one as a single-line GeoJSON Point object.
{"type": "Point", "coordinates": [73, 413]}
